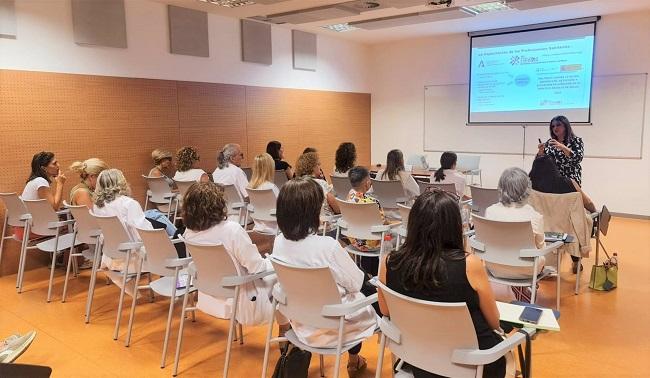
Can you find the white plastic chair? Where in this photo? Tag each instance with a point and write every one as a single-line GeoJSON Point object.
{"type": "Point", "coordinates": [279, 178]}
{"type": "Point", "coordinates": [482, 198]}
{"type": "Point", "coordinates": [342, 186]}
{"type": "Point", "coordinates": [388, 193]}
{"type": "Point", "coordinates": [470, 166]}
{"type": "Point", "coordinates": [43, 220]}
{"type": "Point", "coordinates": [215, 273]}
{"type": "Point", "coordinates": [86, 232]}
{"type": "Point", "coordinates": [261, 206]}
{"type": "Point", "coordinates": [362, 221]}
{"type": "Point", "coordinates": [163, 261]}
{"type": "Point", "coordinates": [183, 187]}
{"type": "Point", "coordinates": [436, 337]}
{"type": "Point", "coordinates": [160, 194]}
{"type": "Point", "coordinates": [294, 298]}
{"type": "Point", "coordinates": [236, 205]}
{"type": "Point", "coordinates": [16, 216]}
{"type": "Point", "coordinates": [401, 230]}
{"type": "Point", "coordinates": [116, 243]}
{"type": "Point", "coordinates": [512, 244]}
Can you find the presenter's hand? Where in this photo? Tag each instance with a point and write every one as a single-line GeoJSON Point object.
{"type": "Point", "coordinates": [559, 146]}
{"type": "Point", "coordinates": [540, 149]}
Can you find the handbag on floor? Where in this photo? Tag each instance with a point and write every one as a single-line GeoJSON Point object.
{"type": "Point", "coordinates": [293, 363]}
{"type": "Point", "coordinates": [604, 277]}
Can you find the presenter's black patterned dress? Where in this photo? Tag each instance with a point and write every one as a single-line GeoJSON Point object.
{"type": "Point", "coordinates": [569, 166]}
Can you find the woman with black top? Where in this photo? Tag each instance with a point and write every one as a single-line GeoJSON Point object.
{"type": "Point", "coordinates": [274, 148]}
{"type": "Point", "coordinates": [433, 266]}
{"type": "Point", "coordinates": [566, 149]}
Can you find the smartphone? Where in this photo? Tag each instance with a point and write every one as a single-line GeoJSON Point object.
{"type": "Point", "coordinates": [182, 281]}
{"type": "Point", "coordinates": [539, 140]}
{"type": "Point", "coordinates": [530, 315]}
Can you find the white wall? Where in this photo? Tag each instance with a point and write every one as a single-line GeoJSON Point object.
{"type": "Point", "coordinates": [402, 69]}
{"type": "Point", "coordinates": [45, 43]}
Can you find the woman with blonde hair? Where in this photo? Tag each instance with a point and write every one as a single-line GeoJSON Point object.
{"type": "Point", "coordinates": [88, 170]}
{"type": "Point", "coordinates": [185, 171]}
{"type": "Point", "coordinates": [262, 178]}
{"type": "Point", "coordinates": [162, 160]}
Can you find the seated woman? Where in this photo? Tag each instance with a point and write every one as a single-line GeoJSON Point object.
{"type": "Point", "coordinates": [433, 266]}
{"type": "Point", "coordinates": [447, 174]}
{"type": "Point", "coordinates": [162, 160]}
{"type": "Point", "coordinates": [546, 178]}
{"type": "Point", "coordinates": [113, 198]}
{"type": "Point", "coordinates": [88, 170]}
{"type": "Point", "coordinates": [514, 188]}
{"type": "Point", "coordinates": [274, 148]}
{"type": "Point", "coordinates": [205, 215]}
{"type": "Point", "coordinates": [308, 165]}
{"type": "Point", "coordinates": [185, 171]}
{"type": "Point", "coordinates": [346, 156]}
{"type": "Point", "coordinates": [228, 170]}
{"type": "Point", "coordinates": [262, 178]}
{"type": "Point", "coordinates": [298, 210]}
{"type": "Point", "coordinates": [395, 171]}
{"type": "Point", "coordinates": [45, 182]}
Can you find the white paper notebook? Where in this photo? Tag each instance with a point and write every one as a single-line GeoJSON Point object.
{"type": "Point", "coordinates": [510, 313]}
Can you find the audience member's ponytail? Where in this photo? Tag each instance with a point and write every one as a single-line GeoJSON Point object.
{"type": "Point", "coordinates": [447, 161]}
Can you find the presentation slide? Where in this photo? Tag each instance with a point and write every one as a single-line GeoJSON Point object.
{"type": "Point", "coordinates": [532, 76]}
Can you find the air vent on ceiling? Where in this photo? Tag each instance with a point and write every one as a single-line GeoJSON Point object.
{"type": "Point", "coordinates": [229, 3]}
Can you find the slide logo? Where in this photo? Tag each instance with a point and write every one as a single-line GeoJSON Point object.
{"type": "Point", "coordinates": [514, 60]}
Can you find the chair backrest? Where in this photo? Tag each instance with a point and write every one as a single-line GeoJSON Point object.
{"type": "Point", "coordinates": [159, 249]}
{"type": "Point", "coordinates": [448, 327]}
{"type": "Point", "coordinates": [482, 198]}
{"type": "Point", "coordinates": [605, 216]}
{"type": "Point", "coordinates": [419, 161]}
{"type": "Point", "coordinates": [468, 162]}
{"type": "Point", "coordinates": [158, 187]}
{"type": "Point", "coordinates": [263, 202]}
{"type": "Point", "coordinates": [15, 209]}
{"type": "Point", "coordinates": [113, 234]}
{"type": "Point", "coordinates": [42, 214]}
{"type": "Point", "coordinates": [449, 188]}
{"type": "Point", "coordinates": [183, 187]}
{"type": "Point", "coordinates": [212, 263]}
{"type": "Point", "coordinates": [504, 240]}
{"type": "Point", "coordinates": [299, 285]}
{"type": "Point", "coordinates": [232, 196]}
{"type": "Point", "coordinates": [359, 218]}
{"type": "Point", "coordinates": [85, 224]}
{"type": "Point", "coordinates": [388, 193]}
{"type": "Point", "coordinates": [280, 178]}
{"type": "Point", "coordinates": [404, 212]}
{"type": "Point", "coordinates": [341, 186]}
{"type": "Point", "coordinates": [248, 172]}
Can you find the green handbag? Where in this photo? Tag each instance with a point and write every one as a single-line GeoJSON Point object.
{"type": "Point", "coordinates": [604, 277]}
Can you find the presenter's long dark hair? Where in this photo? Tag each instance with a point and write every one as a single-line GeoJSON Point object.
{"type": "Point", "coordinates": [394, 164]}
{"type": "Point", "coordinates": [447, 161]}
{"type": "Point", "coordinates": [568, 131]}
{"type": "Point", "coordinates": [435, 236]}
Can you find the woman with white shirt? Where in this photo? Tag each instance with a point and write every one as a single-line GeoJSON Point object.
{"type": "Point", "coordinates": [185, 171]}
{"type": "Point", "coordinates": [447, 174]}
{"type": "Point", "coordinates": [309, 165]}
{"type": "Point", "coordinates": [395, 171]}
{"type": "Point", "coordinates": [113, 198]}
{"type": "Point", "coordinates": [228, 170]}
{"type": "Point", "coordinates": [262, 178]}
{"type": "Point", "coordinates": [205, 214]}
{"type": "Point", "coordinates": [298, 211]}
{"type": "Point", "coordinates": [514, 188]}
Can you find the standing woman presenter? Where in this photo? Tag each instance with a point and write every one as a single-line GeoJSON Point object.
{"type": "Point", "coordinates": [565, 148]}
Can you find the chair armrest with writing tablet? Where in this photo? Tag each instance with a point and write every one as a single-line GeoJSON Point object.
{"type": "Point", "coordinates": [380, 228]}
{"type": "Point", "coordinates": [63, 212]}
{"type": "Point", "coordinates": [241, 280]}
{"type": "Point", "coordinates": [55, 225]}
{"type": "Point", "coordinates": [401, 199]}
{"type": "Point", "coordinates": [478, 357]}
{"type": "Point", "coordinates": [169, 195]}
{"type": "Point", "coordinates": [469, 233]}
{"type": "Point", "coordinates": [594, 215]}
{"type": "Point", "coordinates": [237, 205]}
{"type": "Point", "coordinates": [279, 294]}
{"type": "Point", "coordinates": [542, 251]}
{"type": "Point", "coordinates": [25, 217]}
{"type": "Point", "coordinates": [342, 309]}
{"type": "Point", "coordinates": [250, 208]}
{"type": "Point", "coordinates": [173, 263]}
{"type": "Point", "coordinates": [272, 211]}
{"type": "Point", "coordinates": [389, 330]}
{"type": "Point", "coordinates": [342, 223]}
{"type": "Point", "coordinates": [476, 245]}
{"type": "Point", "coordinates": [129, 246]}
{"type": "Point", "coordinates": [191, 269]}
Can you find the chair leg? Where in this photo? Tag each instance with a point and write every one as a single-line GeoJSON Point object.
{"type": "Point", "coordinates": [134, 301]}
{"type": "Point", "coordinates": [380, 356]}
{"type": "Point", "coordinates": [23, 254]}
{"type": "Point", "coordinates": [179, 342]}
{"type": "Point", "coordinates": [93, 279]}
{"type": "Point", "coordinates": [119, 305]}
{"type": "Point", "coordinates": [56, 249]}
{"type": "Point", "coordinates": [2, 238]}
{"type": "Point", "coordinates": [533, 289]}
{"type": "Point", "coordinates": [269, 333]}
{"type": "Point", "coordinates": [321, 364]}
{"type": "Point", "coordinates": [339, 348]}
{"type": "Point", "coordinates": [557, 281]}
{"type": "Point", "coordinates": [577, 290]}
{"type": "Point", "coordinates": [67, 269]}
{"type": "Point", "coordinates": [231, 331]}
{"type": "Point", "coordinates": [172, 300]}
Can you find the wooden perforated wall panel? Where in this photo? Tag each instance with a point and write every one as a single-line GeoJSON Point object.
{"type": "Point", "coordinates": [121, 120]}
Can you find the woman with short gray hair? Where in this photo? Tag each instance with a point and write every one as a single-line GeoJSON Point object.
{"type": "Point", "coordinates": [514, 188]}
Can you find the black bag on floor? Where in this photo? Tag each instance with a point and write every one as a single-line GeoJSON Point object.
{"type": "Point", "coordinates": [293, 363]}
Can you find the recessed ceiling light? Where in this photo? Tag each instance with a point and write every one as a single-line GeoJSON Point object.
{"type": "Point", "coordinates": [229, 3]}
{"type": "Point", "coordinates": [345, 27]}
{"type": "Point", "coordinates": [486, 7]}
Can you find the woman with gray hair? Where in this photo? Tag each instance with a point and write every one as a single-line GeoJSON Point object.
{"type": "Point", "coordinates": [228, 172]}
{"type": "Point", "coordinates": [514, 188]}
